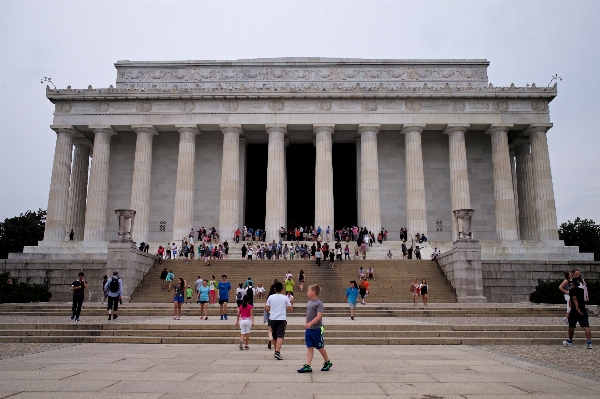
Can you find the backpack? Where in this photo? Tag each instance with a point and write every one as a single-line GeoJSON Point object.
{"type": "Point", "coordinates": [239, 295]}
{"type": "Point", "coordinates": [114, 285]}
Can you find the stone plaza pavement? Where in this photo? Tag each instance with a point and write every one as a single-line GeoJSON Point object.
{"type": "Point", "coordinates": [223, 371]}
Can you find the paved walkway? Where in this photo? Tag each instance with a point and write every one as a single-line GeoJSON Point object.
{"type": "Point", "coordinates": [185, 371]}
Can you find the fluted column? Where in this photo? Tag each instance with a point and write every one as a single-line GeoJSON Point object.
{"type": "Point", "coordinates": [545, 206]}
{"type": "Point", "coordinates": [58, 197]}
{"type": "Point", "coordinates": [506, 225]}
{"type": "Point", "coordinates": [184, 187]}
{"type": "Point", "coordinates": [276, 190]}
{"type": "Point", "coordinates": [230, 182]}
{"type": "Point", "coordinates": [370, 208]}
{"type": "Point", "coordinates": [525, 191]}
{"type": "Point", "coordinates": [78, 189]}
{"type": "Point", "coordinates": [324, 206]}
{"type": "Point", "coordinates": [460, 194]}
{"type": "Point", "coordinates": [140, 188]}
{"type": "Point", "coordinates": [416, 209]}
{"type": "Point", "coordinates": [95, 213]}
{"type": "Point", "coordinates": [513, 175]}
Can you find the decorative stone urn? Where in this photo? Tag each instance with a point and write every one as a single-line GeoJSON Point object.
{"type": "Point", "coordinates": [126, 219]}
{"type": "Point", "coordinates": [463, 223]}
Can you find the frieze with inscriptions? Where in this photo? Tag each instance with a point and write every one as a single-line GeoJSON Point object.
{"type": "Point", "coordinates": [300, 106]}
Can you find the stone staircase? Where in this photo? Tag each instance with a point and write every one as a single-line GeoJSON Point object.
{"type": "Point", "coordinates": [391, 284]}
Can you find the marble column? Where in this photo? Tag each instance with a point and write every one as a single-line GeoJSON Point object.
{"type": "Point", "coordinates": [184, 187]}
{"type": "Point", "coordinates": [230, 182]}
{"type": "Point", "coordinates": [506, 225]}
{"type": "Point", "coordinates": [78, 191]}
{"type": "Point", "coordinates": [370, 207]}
{"type": "Point", "coordinates": [416, 210]}
{"type": "Point", "coordinates": [525, 190]}
{"type": "Point", "coordinates": [460, 194]}
{"type": "Point", "coordinates": [95, 213]}
{"type": "Point", "coordinates": [513, 174]}
{"type": "Point", "coordinates": [140, 188]}
{"type": "Point", "coordinates": [545, 206]}
{"type": "Point", "coordinates": [324, 206]}
{"type": "Point", "coordinates": [58, 198]}
{"type": "Point", "coordinates": [276, 190]}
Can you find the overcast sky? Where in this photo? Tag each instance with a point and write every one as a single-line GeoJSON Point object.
{"type": "Point", "coordinates": [77, 42]}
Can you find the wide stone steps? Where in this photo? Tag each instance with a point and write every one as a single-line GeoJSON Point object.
{"type": "Point", "coordinates": [391, 285]}
{"type": "Point", "coordinates": [335, 334]}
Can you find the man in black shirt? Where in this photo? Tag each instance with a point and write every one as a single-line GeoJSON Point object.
{"type": "Point", "coordinates": [78, 287]}
{"type": "Point", "coordinates": [578, 313]}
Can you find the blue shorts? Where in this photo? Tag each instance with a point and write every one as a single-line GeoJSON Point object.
{"type": "Point", "coordinates": [178, 299]}
{"type": "Point", "coordinates": [314, 338]}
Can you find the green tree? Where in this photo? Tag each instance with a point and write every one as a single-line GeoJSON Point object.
{"type": "Point", "coordinates": [22, 230]}
{"type": "Point", "coordinates": [583, 233]}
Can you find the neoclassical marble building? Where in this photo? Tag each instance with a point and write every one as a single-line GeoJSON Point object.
{"type": "Point", "coordinates": [171, 140]}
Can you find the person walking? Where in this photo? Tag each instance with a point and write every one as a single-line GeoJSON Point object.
{"type": "Point", "coordinates": [351, 295]}
{"type": "Point", "coordinates": [224, 287]}
{"type": "Point", "coordinates": [178, 298]}
{"type": "Point", "coordinates": [331, 258]}
{"type": "Point", "coordinates": [266, 315]}
{"type": "Point", "coordinates": [414, 288]}
{"type": "Point", "coordinates": [163, 277]}
{"type": "Point", "coordinates": [578, 313]}
{"type": "Point", "coordinates": [245, 321]}
{"type": "Point", "coordinates": [78, 287]}
{"type": "Point", "coordinates": [212, 285]}
{"type": "Point", "coordinates": [363, 290]}
{"type": "Point", "coordinates": [160, 253]}
{"type": "Point", "coordinates": [301, 278]}
{"type": "Point", "coordinates": [239, 294]}
{"type": "Point", "coordinates": [114, 288]}
{"type": "Point", "coordinates": [278, 305]}
{"type": "Point", "coordinates": [318, 255]}
{"type": "Point", "coordinates": [203, 292]}
{"type": "Point", "coordinates": [313, 336]}
{"type": "Point", "coordinates": [169, 279]}
{"type": "Point", "coordinates": [564, 287]}
{"type": "Point", "coordinates": [424, 288]}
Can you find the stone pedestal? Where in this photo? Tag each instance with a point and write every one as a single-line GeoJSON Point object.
{"type": "Point", "coordinates": [95, 214]}
{"type": "Point", "coordinates": [230, 182]}
{"type": "Point", "coordinates": [462, 265]}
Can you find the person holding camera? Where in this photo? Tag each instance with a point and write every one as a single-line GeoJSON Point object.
{"type": "Point", "coordinates": [78, 287]}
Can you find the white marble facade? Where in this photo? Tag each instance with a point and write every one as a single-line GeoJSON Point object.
{"type": "Point", "coordinates": [181, 128]}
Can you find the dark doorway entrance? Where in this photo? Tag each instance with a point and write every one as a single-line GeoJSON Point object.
{"type": "Point", "coordinates": [256, 185]}
{"type": "Point", "coordinates": [300, 164]}
{"type": "Point", "coordinates": [344, 184]}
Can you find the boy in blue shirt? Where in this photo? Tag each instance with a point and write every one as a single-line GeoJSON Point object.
{"type": "Point", "coordinates": [224, 288]}
{"type": "Point", "coordinates": [351, 295]}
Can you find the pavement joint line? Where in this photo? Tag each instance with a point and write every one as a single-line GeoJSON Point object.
{"type": "Point", "coordinates": [114, 383]}
{"type": "Point", "coordinates": [544, 364]}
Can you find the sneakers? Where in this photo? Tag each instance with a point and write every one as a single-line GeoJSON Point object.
{"type": "Point", "coordinates": [246, 347]}
{"type": "Point", "coordinates": [221, 317]}
{"type": "Point", "coordinates": [178, 318]}
{"type": "Point", "coordinates": [278, 356]}
{"type": "Point", "coordinates": [174, 317]}
{"type": "Point", "coordinates": [351, 317]}
{"type": "Point", "coordinates": [206, 318]}
{"type": "Point", "coordinates": [568, 343]}
{"type": "Point", "coordinates": [225, 316]}
{"type": "Point", "coordinates": [72, 316]}
{"type": "Point", "coordinates": [109, 317]}
{"type": "Point", "coordinates": [327, 365]}
{"type": "Point", "coordinates": [241, 346]}
{"type": "Point", "coordinates": [115, 317]}
{"type": "Point", "coordinates": [269, 345]}
{"type": "Point", "coordinates": [565, 320]}
{"type": "Point", "coordinates": [305, 369]}
{"type": "Point", "coordinates": [589, 344]}
{"type": "Point", "coordinates": [77, 319]}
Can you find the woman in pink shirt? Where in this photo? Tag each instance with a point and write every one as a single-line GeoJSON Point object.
{"type": "Point", "coordinates": [245, 320]}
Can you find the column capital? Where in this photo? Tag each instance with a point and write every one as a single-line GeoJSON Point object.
{"type": "Point", "coordinates": [231, 128]}
{"type": "Point", "coordinates": [413, 127]}
{"type": "Point", "coordinates": [368, 127]}
{"type": "Point", "coordinates": [69, 129]}
{"type": "Point", "coordinates": [323, 127]}
{"type": "Point", "coordinates": [520, 140]}
{"type": "Point", "coordinates": [103, 129]}
{"type": "Point", "coordinates": [187, 129]}
{"type": "Point", "coordinates": [276, 127]}
{"type": "Point", "coordinates": [538, 127]}
{"type": "Point", "coordinates": [83, 142]}
{"type": "Point", "coordinates": [456, 127]}
{"type": "Point", "coordinates": [145, 129]}
{"type": "Point", "coordinates": [498, 127]}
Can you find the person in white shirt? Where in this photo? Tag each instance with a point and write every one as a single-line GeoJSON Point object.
{"type": "Point", "coordinates": [435, 254]}
{"type": "Point", "coordinates": [277, 305]}
{"type": "Point", "coordinates": [173, 251]}
{"type": "Point", "coordinates": [260, 290]}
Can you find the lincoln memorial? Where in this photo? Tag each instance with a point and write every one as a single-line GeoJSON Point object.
{"type": "Point", "coordinates": [267, 143]}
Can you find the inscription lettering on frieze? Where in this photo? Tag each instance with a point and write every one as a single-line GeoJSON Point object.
{"type": "Point", "coordinates": [346, 105]}
{"type": "Point", "coordinates": [212, 106]}
{"type": "Point", "coordinates": [392, 104]}
{"type": "Point", "coordinates": [475, 105]}
{"type": "Point", "coordinates": [435, 105]}
{"type": "Point", "coordinates": [519, 106]}
{"type": "Point", "coordinates": [254, 105]}
{"type": "Point", "coordinates": [82, 108]}
{"type": "Point", "coordinates": [165, 106]}
{"type": "Point", "coordinates": [302, 105]}
{"type": "Point", "coordinates": [122, 106]}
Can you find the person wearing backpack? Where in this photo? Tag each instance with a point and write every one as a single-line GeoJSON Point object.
{"type": "Point", "coordinates": [114, 288]}
{"type": "Point", "coordinates": [169, 279]}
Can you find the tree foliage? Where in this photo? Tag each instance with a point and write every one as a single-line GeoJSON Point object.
{"type": "Point", "coordinates": [548, 292]}
{"type": "Point", "coordinates": [22, 230]}
{"type": "Point", "coordinates": [583, 233]}
{"type": "Point", "coordinates": [21, 292]}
